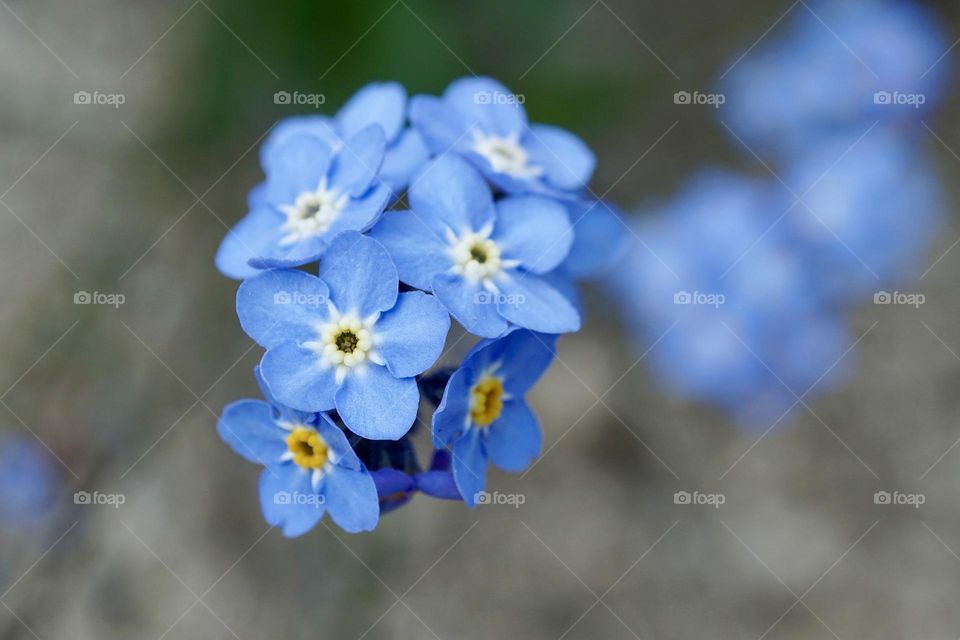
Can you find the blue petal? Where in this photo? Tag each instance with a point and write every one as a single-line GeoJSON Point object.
{"type": "Point", "coordinates": [249, 427]}
{"type": "Point", "coordinates": [418, 251]}
{"type": "Point", "coordinates": [514, 440]}
{"type": "Point", "coordinates": [403, 159]}
{"type": "Point", "coordinates": [534, 230]}
{"type": "Point", "coordinates": [317, 126]}
{"type": "Point", "coordinates": [411, 335]}
{"type": "Point", "coordinates": [358, 161]}
{"type": "Point", "coordinates": [361, 213]}
{"type": "Point", "coordinates": [487, 104]}
{"type": "Point", "coordinates": [524, 356]}
{"type": "Point", "coordinates": [470, 304]}
{"type": "Point", "coordinates": [470, 466]}
{"type": "Point", "coordinates": [336, 439]}
{"type": "Point", "coordinates": [453, 414]}
{"type": "Point", "coordinates": [442, 127]}
{"type": "Point", "coordinates": [600, 238]}
{"type": "Point", "coordinates": [360, 274]}
{"type": "Point", "coordinates": [254, 236]}
{"type": "Point", "coordinates": [382, 103]}
{"type": "Point", "coordinates": [568, 163]}
{"type": "Point", "coordinates": [450, 194]}
{"type": "Point", "coordinates": [530, 302]}
{"type": "Point", "coordinates": [279, 487]}
{"type": "Point", "coordinates": [282, 305]}
{"type": "Point", "coordinates": [394, 488]}
{"type": "Point", "coordinates": [376, 405]}
{"type": "Point", "coordinates": [298, 378]}
{"type": "Point", "coordinates": [294, 166]}
{"type": "Point", "coordinates": [286, 256]}
{"type": "Point", "coordinates": [351, 499]}
{"type": "Point", "coordinates": [438, 484]}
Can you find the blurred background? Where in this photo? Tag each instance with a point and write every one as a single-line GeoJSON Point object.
{"type": "Point", "coordinates": [114, 396]}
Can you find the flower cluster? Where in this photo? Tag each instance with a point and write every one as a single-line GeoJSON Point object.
{"type": "Point", "coordinates": [746, 282]}
{"type": "Point", "coordinates": [417, 211]}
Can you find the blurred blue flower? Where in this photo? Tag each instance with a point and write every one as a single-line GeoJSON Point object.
{"type": "Point", "coordinates": [483, 415]}
{"type": "Point", "coordinates": [737, 319]}
{"type": "Point", "coordinates": [600, 238]}
{"type": "Point", "coordinates": [871, 205]}
{"type": "Point", "coordinates": [29, 484]}
{"type": "Point", "coordinates": [483, 121]}
{"type": "Point", "coordinates": [347, 340]}
{"type": "Point", "coordinates": [483, 260]}
{"type": "Point", "coordinates": [842, 64]}
{"type": "Point", "coordinates": [310, 468]}
{"type": "Point", "coordinates": [314, 190]}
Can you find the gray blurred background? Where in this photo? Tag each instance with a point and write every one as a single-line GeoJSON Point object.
{"type": "Point", "coordinates": [134, 200]}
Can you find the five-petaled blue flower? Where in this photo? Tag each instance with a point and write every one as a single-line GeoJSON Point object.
{"type": "Point", "coordinates": [483, 260]}
{"type": "Point", "coordinates": [310, 467]}
{"type": "Point", "coordinates": [483, 415]}
{"type": "Point", "coordinates": [484, 122]}
{"type": "Point", "coordinates": [347, 340]}
{"type": "Point", "coordinates": [315, 189]}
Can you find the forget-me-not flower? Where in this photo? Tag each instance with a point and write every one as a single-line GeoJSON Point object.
{"type": "Point", "coordinates": [310, 467]}
{"type": "Point", "coordinates": [346, 340]}
{"type": "Point", "coordinates": [483, 121]}
{"type": "Point", "coordinates": [483, 260]}
{"type": "Point", "coordinates": [483, 415]}
{"type": "Point", "coordinates": [314, 190]}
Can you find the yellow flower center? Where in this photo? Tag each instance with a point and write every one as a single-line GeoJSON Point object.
{"type": "Point", "coordinates": [309, 449]}
{"type": "Point", "coordinates": [486, 400]}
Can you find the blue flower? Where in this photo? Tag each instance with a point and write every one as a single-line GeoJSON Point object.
{"type": "Point", "coordinates": [314, 190]}
{"type": "Point", "coordinates": [721, 291]}
{"type": "Point", "coordinates": [310, 468]}
{"type": "Point", "coordinates": [840, 65]}
{"type": "Point", "coordinates": [483, 415]}
{"type": "Point", "coordinates": [483, 260]}
{"type": "Point", "coordinates": [600, 238]}
{"type": "Point", "coordinates": [382, 103]}
{"type": "Point", "coordinates": [29, 484]}
{"type": "Point", "coordinates": [347, 340]}
{"type": "Point", "coordinates": [484, 122]}
{"type": "Point", "coordinates": [396, 487]}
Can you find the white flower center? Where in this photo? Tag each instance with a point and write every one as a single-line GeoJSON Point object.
{"type": "Point", "coordinates": [505, 154]}
{"type": "Point", "coordinates": [312, 213]}
{"type": "Point", "coordinates": [476, 257]}
{"type": "Point", "coordinates": [346, 342]}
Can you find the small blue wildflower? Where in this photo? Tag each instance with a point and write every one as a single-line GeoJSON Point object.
{"type": "Point", "coordinates": [600, 238]}
{"type": "Point", "coordinates": [396, 487]}
{"type": "Point", "coordinates": [310, 468]}
{"type": "Point", "coordinates": [483, 260]}
{"type": "Point", "coordinates": [841, 64]}
{"type": "Point", "coordinates": [484, 122]}
{"type": "Point", "coordinates": [28, 484]}
{"type": "Point", "coordinates": [483, 415]}
{"type": "Point", "coordinates": [314, 190]}
{"type": "Point", "coordinates": [347, 340]}
{"type": "Point", "coordinates": [382, 103]}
